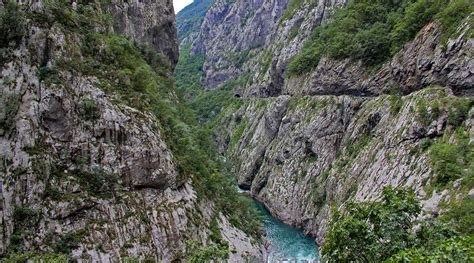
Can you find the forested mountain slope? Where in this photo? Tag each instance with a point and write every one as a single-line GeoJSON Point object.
{"type": "Point", "coordinates": [321, 103]}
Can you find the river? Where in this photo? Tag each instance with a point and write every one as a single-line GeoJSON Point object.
{"type": "Point", "coordinates": [287, 243]}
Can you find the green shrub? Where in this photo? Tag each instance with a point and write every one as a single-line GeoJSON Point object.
{"type": "Point", "coordinates": [422, 113]}
{"type": "Point", "coordinates": [384, 231]}
{"type": "Point", "coordinates": [67, 243]}
{"type": "Point", "coordinates": [307, 59]}
{"type": "Point", "coordinates": [459, 111]}
{"type": "Point", "coordinates": [456, 249]}
{"type": "Point", "coordinates": [415, 17]}
{"type": "Point", "coordinates": [372, 31]}
{"type": "Point", "coordinates": [426, 143]}
{"type": "Point", "coordinates": [460, 215]}
{"type": "Point", "coordinates": [45, 73]}
{"type": "Point", "coordinates": [11, 103]}
{"type": "Point", "coordinates": [25, 220]}
{"type": "Point", "coordinates": [89, 110]}
{"type": "Point", "coordinates": [358, 234]}
{"type": "Point", "coordinates": [445, 162]}
{"type": "Point", "coordinates": [12, 25]}
{"type": "Point", "coordinates": [396, 104]}
{"type": "Point", "coordinates": [98, 182]}
{"type": "Point", "coordinates": [451, 161]}
{"type": "Point", "coordinates": [197, 253]}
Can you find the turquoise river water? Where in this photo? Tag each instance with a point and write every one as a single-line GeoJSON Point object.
{"type": "Point", "coordinates": [287, 244]}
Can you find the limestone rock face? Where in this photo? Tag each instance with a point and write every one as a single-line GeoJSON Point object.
{"type": "Point", "coordinates": [231, 27]}
{"type": "Point", "coordinates": [320, 151]}
{"type": "Point", "coordinates": [420, 63]}
{"type": "Point", "coordinates": [236, 36]}
{"type": "Point", "coordinates": [304, 145]}
{"type": "Point", "coordinates": [149, 22]}
{"type": "Point", "coordinates": [232, 50]}
{"type": "Point", "coordinates": [82, 171]}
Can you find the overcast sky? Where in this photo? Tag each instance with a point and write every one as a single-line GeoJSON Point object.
{"type": "Point", "coordinates": [180, 4]}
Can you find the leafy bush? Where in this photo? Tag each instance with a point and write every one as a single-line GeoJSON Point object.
{"type": "Point", "coordinates": [452, 161]}
{"type": "Point", "coordinates": [307, 59]}
{"type": "Point", "coordinates": [11, 103]}
{"type": "Point", "coordinates": [461, 215]}
{"type": "Point", "coordinates": [97, 182]}
{"type": "Point", "coordinates": [25, 220]}
{"type": "Point", "coordinates": [391, 230]}
{"type": "Point", "coordinates": [89, 110]}
{"type": "Point", "coordinates": [372, 31]}
{"type": "Point", "coordinates": [456, 249]}
{"type": "Point", "coordinates": [197, 253]}
{"type": "Point", "coordinates": [12, 25]}
{"type": "Point", "coordinates": [459, 111]}
{"type": "Point", "coordinates": [362, 232]}
{"type": "Point", "coordinates": [396, 104]}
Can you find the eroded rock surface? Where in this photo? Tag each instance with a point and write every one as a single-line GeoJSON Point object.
{"type": "Point", "coordinates": [81, 170]}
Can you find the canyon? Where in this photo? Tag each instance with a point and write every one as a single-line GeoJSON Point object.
{"type": "Point", "coordinates": [126, 131]}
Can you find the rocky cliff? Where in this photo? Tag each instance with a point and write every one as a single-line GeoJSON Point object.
{"type": "Point", "coordinates": [89, 170]}
{"type": "Point", "coordinates": [307, 144]}
{"type": "Point", "coordinates": [189, 20]}
{"type": "Point", "coordinates": [150, 22]}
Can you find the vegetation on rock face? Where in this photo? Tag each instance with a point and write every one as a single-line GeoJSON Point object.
{"type": "Point", "coordinates": [206, 104]}
{"type": "Point", "coordinates": [452, 153]}
{"type": "Point", "coordinates": [34, 257]}
{"type": "Point", "coordinates": [8, 111]}
{"type": "Point", "coordinates": [12, 28]}
{"type": "Point", "coordinates": [372, 31]}
{"type": "Point", "coordinates": [205, 253]}
{"type": "Point", "coordinates": [389, 230]}
{"type": "Point", "coordinates": [189, 19]}
{"type": "Point", "coordinates": [140, 77]}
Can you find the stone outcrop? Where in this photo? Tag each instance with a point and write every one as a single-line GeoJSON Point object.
{"type": "Point", "coordinates": [304, 145]}
{"type": "Point", "coordinates": [320, 151]}
{"type": "Point", "coordinates": [81, 171]}
{"type": "Point", "coordinates": [230, 28]}
{"type": "Point", "coordinates": [422, 62]}
{"type": "Point", "coordinates": [148, 22]}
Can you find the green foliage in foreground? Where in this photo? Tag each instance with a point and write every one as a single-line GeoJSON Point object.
{"type": "Point", "coordinates": [461, 215]}
{"type": "Point", "coordinates": [456, 249]}
{"type": "Point", "coordinates": [372, 31]}
{"type": "Point", "coordinates": [389, 230]}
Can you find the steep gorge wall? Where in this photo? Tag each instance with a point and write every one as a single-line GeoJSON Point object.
{"type": "Point", "coordinates": [85, 167]}
{"type": "Point", "coordinates": [304, 145]}
{"type": "Point", "coordinates": [303, 156]}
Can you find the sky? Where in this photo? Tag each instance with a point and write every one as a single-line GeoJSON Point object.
{"type": "Point", "coordinates": [180, 4]}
